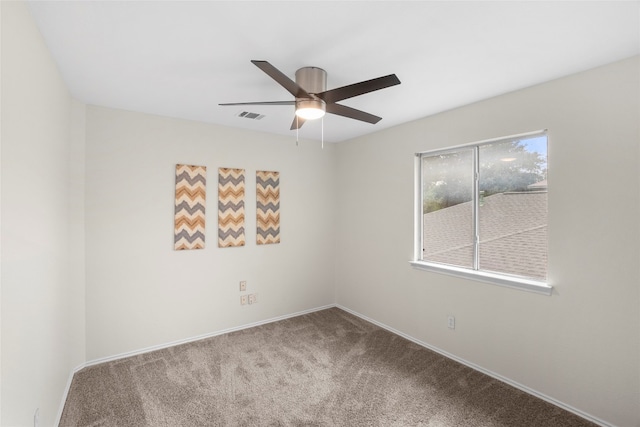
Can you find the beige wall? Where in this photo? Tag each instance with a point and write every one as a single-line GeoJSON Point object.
{"type": "Point", "coordinates": [581, 345]}
{"type": "Point", "coordinates": [142, 293]}
{"type": "Point", "coordinates": [42, 301]}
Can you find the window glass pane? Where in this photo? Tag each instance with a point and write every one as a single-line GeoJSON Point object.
{"type": "Point", "coordinates": [447, 208]}
{"type": "Point", "coordinates": [513, 207]}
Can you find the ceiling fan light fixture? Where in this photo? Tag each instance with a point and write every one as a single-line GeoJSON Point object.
{"type": "Point", "coordinates": [310, 109]}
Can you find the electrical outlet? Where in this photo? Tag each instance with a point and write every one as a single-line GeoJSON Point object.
{"type": "Point", "coordinates": [243, 286]}
{"type": "Point", "coordinates": [243, 300]}
{"type": "Point", "coordinates": [451, 322]}
{"type": "Point", "coordinates": [253, 298]}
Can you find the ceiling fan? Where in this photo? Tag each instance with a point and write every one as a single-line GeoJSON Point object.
{"type": "Point", "coordinates": [312, 99]}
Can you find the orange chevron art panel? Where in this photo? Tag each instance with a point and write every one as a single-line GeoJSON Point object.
{"type": "Point", "coordinates": [230, 207]}
{"type": "Point", "coordinates": [268, 207]}
{"type": "Point", "coordinates": [190, 204]}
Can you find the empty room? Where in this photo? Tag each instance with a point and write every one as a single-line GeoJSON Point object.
{"type": "Point", "coordinates": [327, 213]}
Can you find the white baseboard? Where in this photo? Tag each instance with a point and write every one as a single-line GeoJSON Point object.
{"type": "Point", "coordinates": [174, 343]}
{"type": "Point", "coordinates": [499, 377]}
{"type": "Point", "coordinates": [66, 392]}
{"type": "Point", "coordinates": [204, 336]}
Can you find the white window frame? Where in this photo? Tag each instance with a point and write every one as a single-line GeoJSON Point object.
{"type": "Point", "coordinates": [474, 273]}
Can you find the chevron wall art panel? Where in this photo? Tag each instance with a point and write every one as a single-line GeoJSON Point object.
{"type": "Point", "coordinates": [268, 207]}
{"type": "Point", "coordinates": [230, 207]}
{"type": "Point", "coordinates": [190, 205]}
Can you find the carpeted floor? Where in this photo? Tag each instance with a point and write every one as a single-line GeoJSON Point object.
{"type": "Point", "coordinates": [327, 368]}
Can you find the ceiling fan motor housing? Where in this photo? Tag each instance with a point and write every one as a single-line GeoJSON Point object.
{"type": "Point", "coordinates": [312, 79]}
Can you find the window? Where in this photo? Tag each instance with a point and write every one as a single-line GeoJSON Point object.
{"type": "Point", "coordinates": [482, 211]}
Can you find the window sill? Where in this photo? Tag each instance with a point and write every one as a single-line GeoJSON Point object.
{"type": "Point", "coordinates": [483, 276]}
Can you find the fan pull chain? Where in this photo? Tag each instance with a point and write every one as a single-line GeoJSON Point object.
{"type": "Point", "coordinates": [322, 132]}
{"type": "Point", "coordinates": [297, 129]}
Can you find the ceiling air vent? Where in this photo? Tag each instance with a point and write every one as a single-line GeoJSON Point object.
{"type": "Point", "coordinates": [249, 115]}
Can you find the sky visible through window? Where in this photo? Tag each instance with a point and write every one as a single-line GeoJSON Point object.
{"type": "Point", "coordinates": [537, 144]}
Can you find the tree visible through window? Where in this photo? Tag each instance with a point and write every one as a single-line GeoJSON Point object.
{"type": "Point", "coordinates": [484, 207]}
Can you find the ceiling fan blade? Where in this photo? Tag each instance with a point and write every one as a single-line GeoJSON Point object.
{"type": "Point", "coordinates": [297, 122]}
{"type": "Point", "coordinates": [282, 80]}
{"type": "Point", "coordinates": [352, 113]}
{"type": "Point", "coordinates": [261, 103]}
{"type": "Point", "coordinates": [349, 91]}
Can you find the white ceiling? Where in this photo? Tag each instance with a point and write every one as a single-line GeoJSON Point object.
{"type": "Point", "coordinates": [180, 59]}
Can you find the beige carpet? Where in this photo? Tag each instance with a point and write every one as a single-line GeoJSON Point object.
{"type": "Point", "coordinates": [327, 368]}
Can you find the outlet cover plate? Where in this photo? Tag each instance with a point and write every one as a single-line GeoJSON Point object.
{"type": "Point", "coordinates": [451, 322]}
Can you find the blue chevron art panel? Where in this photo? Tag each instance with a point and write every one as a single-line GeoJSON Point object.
{"type": "Point", "coordinates": [230, 207]}
{"type": "Point", "coordinates": [268, 207]}
{"type": "Point", "coordinates": [190, 204]}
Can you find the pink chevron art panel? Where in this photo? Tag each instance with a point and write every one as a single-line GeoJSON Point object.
{"type": "Point", "coordinates": [267, 207]}
{"type": "Point", "coordinates": [230, 207]}
{"type": "Point", "coordinates": [189, 230]}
